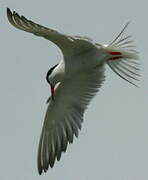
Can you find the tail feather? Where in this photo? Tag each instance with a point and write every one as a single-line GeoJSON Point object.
{"type": "Point", "coordinates": [123, 75]}
{"type": "Point", "coordinates": [126, 67]}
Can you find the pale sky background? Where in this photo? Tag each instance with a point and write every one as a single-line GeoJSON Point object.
{"type": "Point", "coordinates": [113, 143]}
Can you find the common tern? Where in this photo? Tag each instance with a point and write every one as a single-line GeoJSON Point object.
{"type": "Point", "coordinates": [75, 81]}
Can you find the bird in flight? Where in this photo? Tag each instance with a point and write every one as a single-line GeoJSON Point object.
{"type": "Point", "coordinates": [75, 81]}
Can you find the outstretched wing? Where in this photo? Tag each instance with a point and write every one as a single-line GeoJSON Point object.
{"type": "Point", "coordinates": [68, 44]}
{"type": "Point", "coordinates": [65, 114]}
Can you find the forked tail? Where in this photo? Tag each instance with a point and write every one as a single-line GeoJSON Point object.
{"type": "Point", "coordinates": [124, 58]}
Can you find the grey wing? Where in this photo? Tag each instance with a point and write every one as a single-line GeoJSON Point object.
{"type": "Point", "coordinates": [64, 115]}
{"type": "Point", "coordinates": [68, 44]}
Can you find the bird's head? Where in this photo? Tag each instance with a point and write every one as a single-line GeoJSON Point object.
{"type": "Point", "coordinates": [52, 79]}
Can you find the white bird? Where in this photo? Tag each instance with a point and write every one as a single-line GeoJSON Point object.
{"type": "Point", "coordinates": [75, 81]}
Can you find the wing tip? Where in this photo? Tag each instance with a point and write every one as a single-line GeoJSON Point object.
{"type": "Point", "coordinates": [9, 13]}
{"type": "Point", "coordinates": [40, 171]}
{"type": "Point", "coordinates": [10, 16]}
{"type": "Point", "coordinates": [44, 169]}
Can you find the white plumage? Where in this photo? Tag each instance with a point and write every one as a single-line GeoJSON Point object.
{"type": "Point", "coordinates": [74, 82]}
